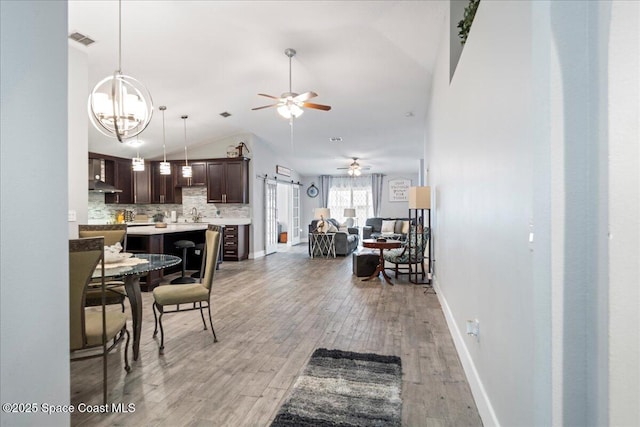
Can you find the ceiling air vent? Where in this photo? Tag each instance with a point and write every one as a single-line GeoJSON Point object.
{"type": "Point", "coordinates": [81, 38]}
{"type": "Point", "coordinates": [225, 114]}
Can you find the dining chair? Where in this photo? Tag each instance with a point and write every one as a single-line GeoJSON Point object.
{"type": "Point", "coordinates": [411, 253]}
{"type": "Point", "coordinates": [112, 233]}
{"type": "Point", "coordinates": [92, 328]}
{"type": "Point", "coordinates": [196, 293]}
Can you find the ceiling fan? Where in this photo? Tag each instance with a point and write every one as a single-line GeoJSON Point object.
{"type": "Point", "coordinates": [290, 104]}
{"type": "Point", "coordinates": [354, 169]}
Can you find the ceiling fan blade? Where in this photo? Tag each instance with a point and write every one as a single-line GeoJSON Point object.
{"type": "Point", "coordinates": [316, 106]}
{"type": "Point", "coordinates": [268, 96]}
{"type": "Point", "coordinates": [305, 96]}
{"type": "Point", "coordinates": [264, 106]}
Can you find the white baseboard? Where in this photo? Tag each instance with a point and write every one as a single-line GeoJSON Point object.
{"type": "Point", "coordinates": [254, 255]}
{"type": "Point", "coordinates": [485, 409]}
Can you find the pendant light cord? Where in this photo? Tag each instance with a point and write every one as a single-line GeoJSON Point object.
{"type": "Point", "coordinates": [186, 162]}
{"type": "Point", "coordinates": [119, 36]}
{"type": "Point", "coordinates": [164, 147]}
{"type": "Point", "coordinates": [290, 75]}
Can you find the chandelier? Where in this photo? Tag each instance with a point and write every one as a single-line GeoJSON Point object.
{"type": "Point", "coordinates": [119, 105]}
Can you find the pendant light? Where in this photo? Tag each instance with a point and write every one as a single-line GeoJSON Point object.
{"type": "Point", "coordinates": [119, 105]}
{"type": "Point", "coordinates": [186, 169]}
{"type": "Point", "coordinates": [137, 163]}
{"type": "Point", "coordinates": [165, 167]}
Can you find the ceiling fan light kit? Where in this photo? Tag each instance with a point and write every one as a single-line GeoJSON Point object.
{"type": "Point", "coordinates": [290, 104]}
{"type": "Point", "coordinates": [119, 105]}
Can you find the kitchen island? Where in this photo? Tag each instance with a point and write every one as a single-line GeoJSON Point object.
{"type": "Point", "coordinates": [149, 239]}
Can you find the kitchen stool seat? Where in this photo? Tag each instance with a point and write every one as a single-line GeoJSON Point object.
{"type": "Point", "coordinates": [184, 245]}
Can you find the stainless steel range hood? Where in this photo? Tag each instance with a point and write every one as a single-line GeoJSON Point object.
{"type": "Point", "coordinates": [96, 178]}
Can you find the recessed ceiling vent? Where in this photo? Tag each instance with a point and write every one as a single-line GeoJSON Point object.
{"type": "Point", "coordinates": [225, 114]}
{"type": "Point", "coordinates": [335, 139]}
{"type": "Point", "coordinates": [81, 38]}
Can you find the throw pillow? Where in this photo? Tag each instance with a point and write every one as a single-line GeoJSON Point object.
{"type": "Point", "coordinates": [331, 229]}
{"type": "Point", "coordinates": [388, 226]}
{"type": "Point", "coordinates": [405, 227]}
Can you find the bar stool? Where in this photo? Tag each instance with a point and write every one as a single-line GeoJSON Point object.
{"type": "Point", "coordinates": [199, 247]}
{"type": "Point", "coordinates": [184, 245]}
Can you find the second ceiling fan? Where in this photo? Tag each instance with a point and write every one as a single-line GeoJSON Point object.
{"type": "Point", "coordinates": [290, 104]}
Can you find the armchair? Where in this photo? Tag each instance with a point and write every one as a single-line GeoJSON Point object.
{"type": "Point", "coordinates": [412, 253]}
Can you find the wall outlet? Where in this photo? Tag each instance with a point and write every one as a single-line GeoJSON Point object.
{"type": "Point", "coordinates": [72, 216]}
{"type": "Point", "coordinates": [473, 328]}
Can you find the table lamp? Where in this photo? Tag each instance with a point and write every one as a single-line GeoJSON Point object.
{"type": "Point", "coordinates": [321, 214]}
{"type": "Point", "coordinates": [349, 213]}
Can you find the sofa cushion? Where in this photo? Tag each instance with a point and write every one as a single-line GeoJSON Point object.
{"type": "Point", "coordinates": [397, 229]}
{"type": "Point", "coordinates": [405, 227]}
{"type": "Point", "coordinates": [388, 226]}
{"type": "Point", "coordinates": [375, 224]}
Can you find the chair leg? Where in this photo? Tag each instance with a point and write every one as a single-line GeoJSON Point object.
{"type": "Point", "coordinates": [215, 339]}
{"type": "Point", "coordinates": [161, 330]}
{"type": "Point", "coordinates": [422, 268]}
{"type": "Point", "coordinates": [202, 315]}
{"type": "Point", "coordinates": [396, 271]}
{"type": "Point", "coordinates": [126, 352]}
{"type": "Point", "coordinates": [155, 318]}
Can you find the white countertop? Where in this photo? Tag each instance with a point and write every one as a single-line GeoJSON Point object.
{"type": "Point", "coordinates": [148, 230]}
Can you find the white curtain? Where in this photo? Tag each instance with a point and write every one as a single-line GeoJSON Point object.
{"type": "Point", "coordinates": [351, 192]}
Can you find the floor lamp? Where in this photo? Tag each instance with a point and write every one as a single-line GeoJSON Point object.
{"type": "Point", "coordinates": [419, 202]}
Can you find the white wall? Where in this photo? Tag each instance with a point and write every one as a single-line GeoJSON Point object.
{"type": "Point", "coordinates": [78, 137]}
{"type": "Point", "coordinates": [34, 315]}
{"type": "Point", "coordinates": [479, 153]}
{"type": "Point", "coordinates": [624, 211]}
{"type": "Point", "coordinates": [536, 137]}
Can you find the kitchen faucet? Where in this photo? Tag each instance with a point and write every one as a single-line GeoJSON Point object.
{"type": "Point", "coordinates": [195, 215]}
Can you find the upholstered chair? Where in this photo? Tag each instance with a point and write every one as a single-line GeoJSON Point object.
{"type": "Point", "coordinates": [112, 234]}
{"type": "Point", "coordinates": [92, 328]}
{"type": "Point", "coordinates": [411, 253]}
{"type": "Point", "coordinates": [193, 294]}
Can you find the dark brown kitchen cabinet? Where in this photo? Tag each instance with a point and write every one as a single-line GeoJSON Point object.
{"type": "Point", "coordinates": [199, 170]}
{"type": "Point", "coordinates": [228, 181]}
{"type": "Point", "coordinates": [235, 246]}
{"type": "Point", "coordinates": [120, 170]}
{"type": "Point", "coordinates": [162, 187]}
{"type": "Point", "coordinates": [142, 185]}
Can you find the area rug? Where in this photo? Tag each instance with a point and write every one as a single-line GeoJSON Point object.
{"type": "Point", "coordinates": [343, 388]}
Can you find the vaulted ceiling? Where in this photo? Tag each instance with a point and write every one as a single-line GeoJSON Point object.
{"type": "Point", "coordinates": [372, 61]}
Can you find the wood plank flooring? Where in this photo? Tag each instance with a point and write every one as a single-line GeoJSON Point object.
{"type": "Point", "coordinates": [270, 314]}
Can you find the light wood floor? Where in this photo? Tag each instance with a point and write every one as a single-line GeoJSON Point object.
{"type": "Point", "coordinates": [270, 314]}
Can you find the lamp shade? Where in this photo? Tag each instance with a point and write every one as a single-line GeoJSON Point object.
{"type": "Point", "coordinates": [420, 198]}
{"type": "Point", "coordinates": [349, 213]}
{"type": "Point", "coordinates": [322, 213]}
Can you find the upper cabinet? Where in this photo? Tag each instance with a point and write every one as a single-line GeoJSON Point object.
{"type": "Point", "coordinates": [142, 184]}
{"type": "Point", "coordinates": [120, 169]}
{"type": "Point", "coordinates": [198, 169]}
{"type": "Point", "coordinates": [228, 180]}
{"type": "Point", "coordinates": [162, 187]}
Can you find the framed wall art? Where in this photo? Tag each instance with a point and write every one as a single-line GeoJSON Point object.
{"type": "Point", "coordinates": [399, 190]}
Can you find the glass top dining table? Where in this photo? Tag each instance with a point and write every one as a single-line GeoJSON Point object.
{"type": "Point", "coordinates": [131, 275]}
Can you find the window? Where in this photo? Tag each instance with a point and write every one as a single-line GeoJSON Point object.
{"type": "Point", "coordinates": [351, 192]}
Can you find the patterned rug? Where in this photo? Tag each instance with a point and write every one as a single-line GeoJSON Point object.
{"type": "Point", "coordinates": [343, 388]}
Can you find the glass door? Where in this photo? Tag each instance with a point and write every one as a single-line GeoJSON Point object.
{"type": "Point", "coordinates": [270, 216]}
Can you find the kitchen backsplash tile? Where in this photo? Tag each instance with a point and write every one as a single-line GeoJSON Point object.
{"type": "Point", "coordinates": [191, 197]}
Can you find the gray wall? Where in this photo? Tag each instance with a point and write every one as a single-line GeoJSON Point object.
{"type": "Point", "coordinates": [34, 315]}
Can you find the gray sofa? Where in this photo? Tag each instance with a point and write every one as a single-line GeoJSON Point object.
{"type": "Point", "coordinates": [373, 228]}
{"type": "Point", "coordinates": [345, 241]}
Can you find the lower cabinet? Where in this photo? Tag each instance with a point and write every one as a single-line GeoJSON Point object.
{"type": "Point", "coordinates": [235, 246]}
